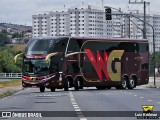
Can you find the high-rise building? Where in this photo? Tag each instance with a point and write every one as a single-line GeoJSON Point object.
{"type": "Point", "coordinates": [90, 21]}
{"type": "Point", "coordinates": [82, 21]}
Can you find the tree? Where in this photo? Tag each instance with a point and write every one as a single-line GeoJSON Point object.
{"type": "Point", "coordinates": [6, 61]}
{"type": "Point", "coordinates": [3, 37]}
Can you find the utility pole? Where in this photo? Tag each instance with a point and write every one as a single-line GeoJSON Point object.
{"type": "Point", "coordinates": [144, 23]}
{"type": "Point", "coordinates": [144, 28]}
{"type": "Point", "coordinates": [122, 31]}
{"type": "Point", "coordinates": [129, 29]}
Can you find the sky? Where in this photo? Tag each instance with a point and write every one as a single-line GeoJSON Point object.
{"type": "Point", "coordinates": [21, 11]}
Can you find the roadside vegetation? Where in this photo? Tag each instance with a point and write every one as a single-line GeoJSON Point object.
{"type": "Point", "coordinates": [7, 93]}
{"type": "Point", "coordinates": [157, 62]}
{"type": "Point", "coordinates": [7, 53]}
{"type": "Point", "coordinates": [10, 83]}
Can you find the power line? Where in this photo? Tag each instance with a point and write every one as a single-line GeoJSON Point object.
{"type": "Point", "coordinates": [125, 6]}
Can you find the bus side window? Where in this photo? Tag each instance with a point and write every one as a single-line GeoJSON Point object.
{"type": "Point", "coordinates": [74, 46]}
{"type": "Point", "coordinates": [60, 46]}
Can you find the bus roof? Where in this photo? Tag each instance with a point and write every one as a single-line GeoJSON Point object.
{"type": "Point", "coordinates": [91, 38]}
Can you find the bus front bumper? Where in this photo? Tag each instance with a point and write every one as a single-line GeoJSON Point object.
{"type": "Point", "coordinates": [37, 83]}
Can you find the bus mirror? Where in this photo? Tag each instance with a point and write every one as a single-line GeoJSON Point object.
{"type": "Point", "coordinates": [49, 56]}
{"type": "Point", "coordinates": [15, 58]}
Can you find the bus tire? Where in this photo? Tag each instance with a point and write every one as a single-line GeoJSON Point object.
{"type": "Point", "coordinates": [42, 89]}
{"type": "Point", "coordinates": [132, 83]}
{"type": "Point", "coordinates": [118, 87]}
{"type": "Point", "coordinates": [81, 83]}
{"type": "Point", "coordinates": [98, 88]}
{"type": "Point", "coordinates": [66, 85]}
{"type": "Point", "coordinates": [124, 83]}
{"type": "Point", "coordinates": [108, 87]}
{"type": "Point", "coordinates": [101, 87]}
{"type": "Point", "coordinates": [53, 89]}
{"type": "Point", "coordinates": [77, 84]}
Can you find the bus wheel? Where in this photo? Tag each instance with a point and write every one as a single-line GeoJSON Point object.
{"type": "Point", "coordinates": [42, 89]}
{"type": "Point", "coordinates": [77, 84]}
{"type": "Point", "coordinates": [118, 87]}
{"type": "Point", "coordinates": [52, 89]}
{"type": "Point", "coordinates": [81, 84]}
{"type": "Point", "coordinates": [124, 83]}
{"type": "Point", "coordinates": [101, 87]}
{"type": "Point", "coordinates": [98, 88]}
{"type": "Point", "coordinates": [108, 87]}
{"type": "Point", "coordinates": [66, 84]}
{"type": "Point", "coordinates": [131, 84]}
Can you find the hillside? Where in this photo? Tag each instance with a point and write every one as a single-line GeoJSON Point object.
{"type": "Point", "coordinates": [14, 27]}
{"type": "Point", "coordinates": [16, 47]}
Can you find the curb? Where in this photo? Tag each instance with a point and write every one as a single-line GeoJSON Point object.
{"type": "Point", "coordinates": [152, 86]}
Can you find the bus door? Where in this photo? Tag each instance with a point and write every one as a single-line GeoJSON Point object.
{"type": "Point", "coordinates": [72, 56]}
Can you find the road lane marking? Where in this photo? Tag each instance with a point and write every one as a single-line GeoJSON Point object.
{"type": "Point", "coordinates": [135, 95]}
{"type": "Point", "coordinates": [83, 118]}
{"type": "Point", "coordinates": [76, 107]}
{"type": "Point", "coordinates": [74, 103]}
{"type": "Point", "coordinates": [141, 97]}
{"type": "Point", "coordinates": [158, 102]}
{"type": "Point", "coordinates": [149, 100]}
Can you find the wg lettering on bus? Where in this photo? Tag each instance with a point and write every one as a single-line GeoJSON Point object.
{"type": "Point", "coordinates": [105, 64]}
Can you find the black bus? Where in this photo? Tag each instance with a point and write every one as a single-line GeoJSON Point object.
{"type": "Point", "coordinates": [65, 62]}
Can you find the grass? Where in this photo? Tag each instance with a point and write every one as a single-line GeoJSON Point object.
{"type": "Point", "coordinates": [6, 84]}
{"type": "Point", "coordinates": [11, 83]}
{"type": "Point", "coordinates": [17, 47]}
{"type": "Point", "coordinates": [7, 93]}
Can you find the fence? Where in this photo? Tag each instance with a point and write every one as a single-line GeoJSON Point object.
{"type": "Point", "coordinates": [10, 75]}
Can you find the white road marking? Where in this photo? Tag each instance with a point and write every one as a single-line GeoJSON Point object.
{"type": "Point", "coordinates": [141, 97]}
{"type": "Point", "coordinates": [135, 95]}
{"type": "Point", "coordinates": [83, 118]}
{"type": "Point", "coordinates": [74, 103]}
{"type": "Point", "coordinates": [76, 107]}
{"type": "Point", "coordinates": [149, 100]}
{"type": "Point", "coordinates": [158, 102]}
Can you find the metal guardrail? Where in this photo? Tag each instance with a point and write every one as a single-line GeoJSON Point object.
{"type": "Point", "coordinates": [10, 75]}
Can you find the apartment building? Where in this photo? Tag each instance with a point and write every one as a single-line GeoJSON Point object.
{"type": "Point", "coordinates": [90, 21]}
{"type": "Point", "coordinates": [81, 21]}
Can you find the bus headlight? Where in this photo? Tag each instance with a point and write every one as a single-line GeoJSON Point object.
{"type": "Point", "coordinates": [60, 76]}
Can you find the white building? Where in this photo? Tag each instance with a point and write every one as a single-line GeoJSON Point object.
{"type": "Point", "coordinates": [90, 21]}
{"type": "Point", "coordinates": [82, 21]}
{"type": "Point", "coordinates": [136, 29]}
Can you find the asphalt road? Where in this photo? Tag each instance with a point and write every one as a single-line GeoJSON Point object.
{"type": "Point", "coordinates": [78, 102]}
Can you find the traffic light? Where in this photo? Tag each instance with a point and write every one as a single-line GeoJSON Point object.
{"type": "Point", "coordinates": [108, 13]}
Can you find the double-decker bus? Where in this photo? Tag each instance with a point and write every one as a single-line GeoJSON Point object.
{"type": "Point", "coordinates": [65, 62]}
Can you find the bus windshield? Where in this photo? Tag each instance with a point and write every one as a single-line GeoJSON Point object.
{"type": "Point", "coordinates": [46, 46]}
{"type": "Point", "coordinates": [39, 46]}
{"type": "Point", "coordinates": [35, 67]}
